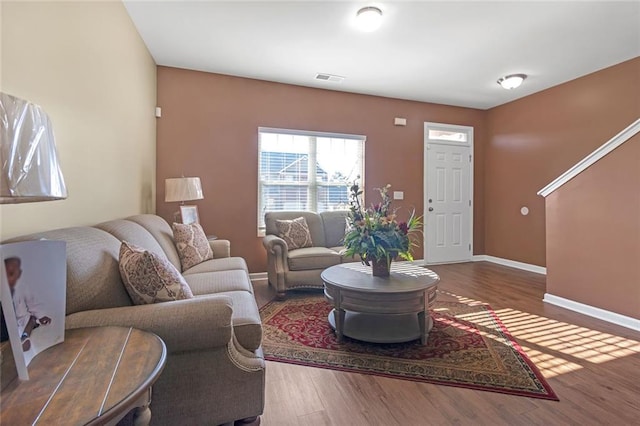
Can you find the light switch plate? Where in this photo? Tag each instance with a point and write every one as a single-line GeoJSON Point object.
{"type": "Point", "coordinates": [398, 195]}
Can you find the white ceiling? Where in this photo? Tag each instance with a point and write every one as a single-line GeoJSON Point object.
{"type": "Point", "coordinates": [448, 52]}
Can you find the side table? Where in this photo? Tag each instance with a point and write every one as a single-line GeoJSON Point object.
{"type": "Point", "coordinates": [96, 376]}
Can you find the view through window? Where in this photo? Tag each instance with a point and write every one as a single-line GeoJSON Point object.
{"type": "Point", "coordinates": [311, 171]}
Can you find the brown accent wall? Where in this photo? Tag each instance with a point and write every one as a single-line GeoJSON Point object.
{"type": "Point", "coordinates": [535, 139]}
{"type": "Point", "coordinates": [593, 234]}
{"type": "Point", "coordinates": [209, 128]}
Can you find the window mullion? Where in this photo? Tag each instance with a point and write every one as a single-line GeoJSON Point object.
{"type": "Point", "coordinates": [312, 175]}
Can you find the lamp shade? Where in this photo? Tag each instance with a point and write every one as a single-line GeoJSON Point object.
{"type": "Point", "coordinates": [29, 168]}
{"type": "Point", "coordinates": [182, 189]}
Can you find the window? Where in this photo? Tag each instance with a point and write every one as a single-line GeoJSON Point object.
{"type": "Point", "coordinates": [446, 135]}
{"type": "Point", "coordinates": [299, 170]}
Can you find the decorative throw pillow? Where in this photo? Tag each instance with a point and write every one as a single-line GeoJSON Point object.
{"type": "Point", "coordinates": [150, 278]}
{"type": "Point", "coordinates": [192, 244]}
{"type": "Point", "coordinates": [295, 233]}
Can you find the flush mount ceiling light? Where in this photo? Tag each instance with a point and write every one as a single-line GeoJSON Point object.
{"type": "Point", "coordinates": [369, 18]}
{"type": "Point", "coordinates": [511, 81]}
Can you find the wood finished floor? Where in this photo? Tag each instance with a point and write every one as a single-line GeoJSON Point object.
{"type": "Point", "coordinates": [593, 366]}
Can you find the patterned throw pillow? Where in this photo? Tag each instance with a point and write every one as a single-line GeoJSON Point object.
{"type": "Point", "coordinates": [295, 233]}
{"type": "Point", "coordinates": [192, 244]}
{"type": "Point", "coordinates": [150, 278]}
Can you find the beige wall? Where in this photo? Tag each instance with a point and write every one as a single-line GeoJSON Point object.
{"type": "Point", "coordinates": [1, 31]}
{"type": "Point", "coordinates": [209, 128]}
{"type": "Point", "coordinates": [85, 63]}
{"type": "Point", "coordinates": [593, 234]}
{"type": "Point", "coordinates": [535, 139]}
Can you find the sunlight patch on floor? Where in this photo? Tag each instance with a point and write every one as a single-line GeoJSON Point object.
{"type": "Point", "coordinates": [556, 347]}
{"type": "Point", "coordinates": [578, 342]}
{"type": "Point", "coordinates": [550, 365]}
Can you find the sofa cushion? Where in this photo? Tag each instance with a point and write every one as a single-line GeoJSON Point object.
{"type": "Point", "coordinates": [133, 233]}
{"type": "Point", "coordinates": [294, 232]}
{"type": "Point", "coordinates": [217, 282]}
{"type": "Point", "coordinates": [93, 278]}
{"type": "Point", "coordinates": [247, 325]}
{"type": "Point", "coordinates": [334, 223]}
{"type": "Point", "coordinates": [192, 244]}
{"type": "Point", "coordinates": [149, 277]}
{"type": "Point", "coordinates": [312, 258]}
{"type": "Point", "coordinates": [313, 222]}
{"type": "Point", "coordinates": [223, 264]}
{"type": "Point", "coordinates": [161, 231]}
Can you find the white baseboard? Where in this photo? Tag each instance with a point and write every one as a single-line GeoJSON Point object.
{"type": "Point", "coordinates": [256, 276]}
{"type": "Point", "coordinates": [511, 263]}
{"type": "Point", "coordinates": [594, 312]}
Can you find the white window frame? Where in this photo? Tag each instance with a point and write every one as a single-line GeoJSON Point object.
{"type": "Point", "coordinates": [307, 133]}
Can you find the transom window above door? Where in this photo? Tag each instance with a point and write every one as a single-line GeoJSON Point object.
{"type": "Point", "coordinates": [304, 170]}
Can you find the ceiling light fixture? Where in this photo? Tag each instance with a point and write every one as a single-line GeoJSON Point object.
{"type": "Point", "coordinates": [511, 81]}
{"type": "Point", "coordinates": [369, 18]}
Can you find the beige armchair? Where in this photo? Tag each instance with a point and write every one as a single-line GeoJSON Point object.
{"type": "Point", "coordinates": [301, 268]}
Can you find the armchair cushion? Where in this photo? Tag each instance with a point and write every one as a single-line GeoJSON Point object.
{"type": "Point", "coordinates": [335, 224]}
{"type": "Point", "coordinates": [312, 258]}
{"type": "Point", "coordinates": [192, 244]}
{"type": "Point", "coordinates": [149, 277]}
{"type": "Point", "coordinates": [295, 233]}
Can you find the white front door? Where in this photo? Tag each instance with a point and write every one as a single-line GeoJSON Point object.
{"type": "Point", "coordinates": [448, 194]}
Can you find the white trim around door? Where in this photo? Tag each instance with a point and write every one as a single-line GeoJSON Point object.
{"type": "Point", "coordinates": [442, 135]}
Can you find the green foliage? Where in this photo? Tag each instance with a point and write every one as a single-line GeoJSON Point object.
{"type": "Point", "coordinates": [374, 232]}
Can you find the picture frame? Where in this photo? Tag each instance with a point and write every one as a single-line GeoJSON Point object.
{"type": "Point", "coordinates": [33, 297]}
{"type": "Point", "coordinates": [189, 214]}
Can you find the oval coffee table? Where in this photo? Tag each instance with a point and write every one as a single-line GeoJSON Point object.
{"type": "Point", "coordinates": [389, 309]}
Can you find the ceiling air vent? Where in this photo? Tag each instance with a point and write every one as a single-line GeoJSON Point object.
{"type": "Point", "coordinates": [329, 77]}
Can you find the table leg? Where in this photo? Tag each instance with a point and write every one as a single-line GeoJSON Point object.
{"type": "Point", "coordinates": [142, 415]}
{"type": "Point", "coordinates": [338, 316]}
{"type": "Point", "coordinates": [422, 318]}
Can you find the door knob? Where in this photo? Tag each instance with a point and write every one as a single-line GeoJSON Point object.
{"type": "Point", "coordinates": [430, 209]}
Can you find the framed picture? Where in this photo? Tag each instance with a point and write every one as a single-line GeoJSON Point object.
{"type": "Point", "coordinates": [189, 214]}
{"type": "Point", "coordinates": [33, 276]}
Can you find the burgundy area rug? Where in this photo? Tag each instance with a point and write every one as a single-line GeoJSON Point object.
{"type": "Point", "coordinates": [468, 347]}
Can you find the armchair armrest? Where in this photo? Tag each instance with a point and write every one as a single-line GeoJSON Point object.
{"type": "Point", "coordinates": [221, 248]}
{"type": "Point", "coordinates": [184, 325]}
{"type": "Point", "coordinates": [275, 245]}
{"type": "Point", "coordinates": [277, 264]}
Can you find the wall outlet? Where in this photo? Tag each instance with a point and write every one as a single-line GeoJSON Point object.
{"type": "Point", "coordinates": [398, 195]}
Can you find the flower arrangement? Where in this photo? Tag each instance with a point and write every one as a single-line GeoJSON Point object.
{"type": "Point", "coordinates": [375, 234]}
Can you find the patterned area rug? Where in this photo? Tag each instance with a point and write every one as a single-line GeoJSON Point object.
{"type": "Point", "coordinates": [468, 347]}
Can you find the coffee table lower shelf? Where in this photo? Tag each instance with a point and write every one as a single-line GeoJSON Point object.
{"type": "Point", "coordinates": [381, 328]}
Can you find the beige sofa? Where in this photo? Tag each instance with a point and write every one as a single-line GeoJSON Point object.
{"type": "Point", "coordinates": [215, 368]}
{"type": "Point", "coordinates": [301, 268]}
